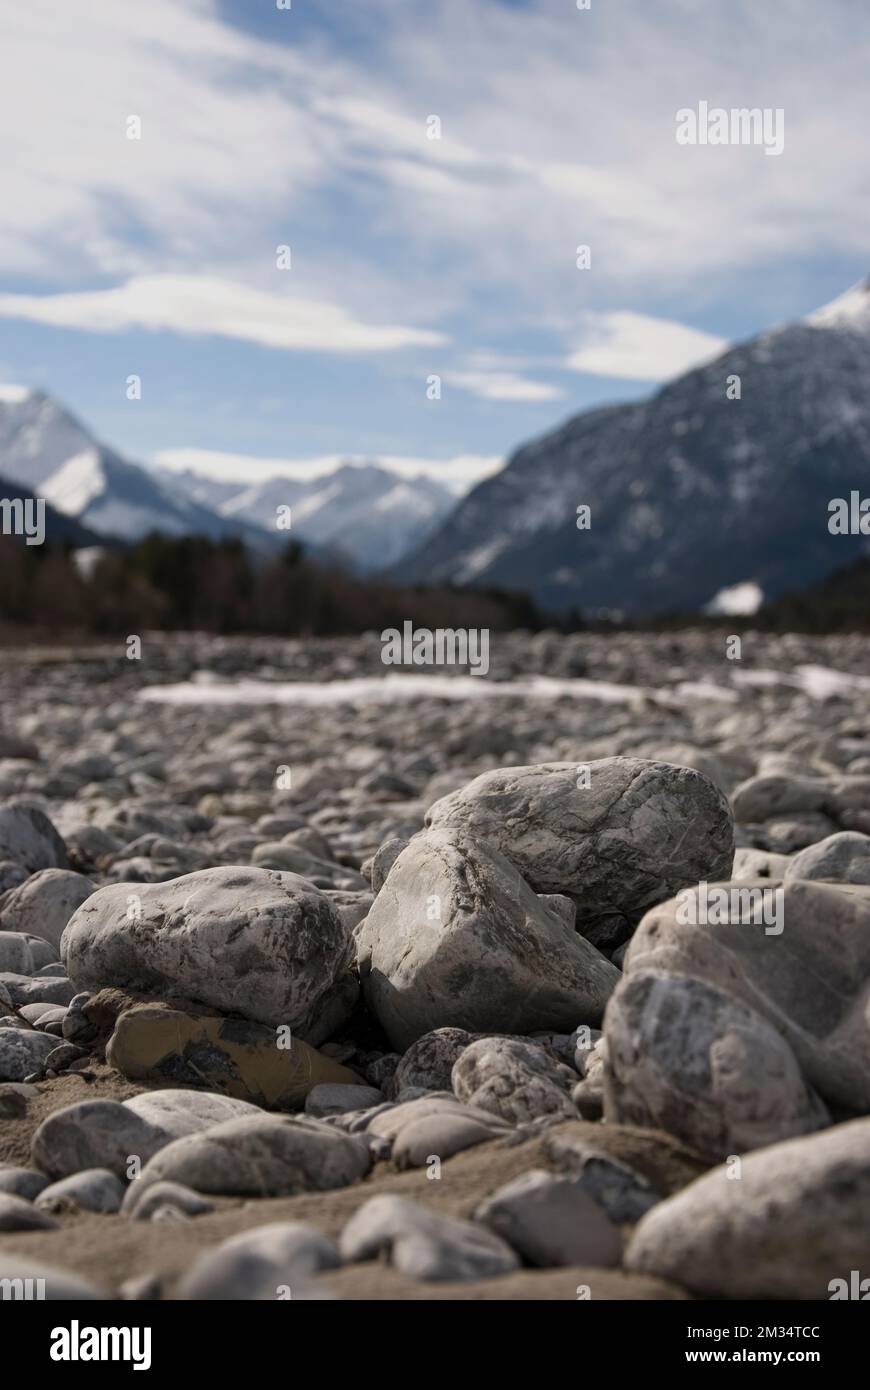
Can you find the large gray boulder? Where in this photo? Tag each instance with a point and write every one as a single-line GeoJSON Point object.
{"type": "Point", "coordinates": [687, 1058]}
{"type": "Point", "coordinates": [810, 980]}
{"type": "Point", "coordinates": [262, 1156]}
{"type": "Point", "coordinates": [28, 838]}
{"type": "Point", "coordinates": [633, 836]}
{"type": "Point", "coordinates": [788, 1223]}
{"type": "Point", "coordinates": [44, 904]}
{"type": "Point", "coordinates": [244, 940]}
{"type": "Point", "coordinates": [456, 938]}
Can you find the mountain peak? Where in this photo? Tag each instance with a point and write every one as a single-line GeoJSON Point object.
{"type": "Point", "coordinates": [849, 310]}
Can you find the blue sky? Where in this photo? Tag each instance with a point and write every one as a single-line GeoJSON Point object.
{"type": "Point", "coordinates": [411, 256]}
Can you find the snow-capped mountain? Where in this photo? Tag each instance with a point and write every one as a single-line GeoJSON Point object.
{"type": "Point", "coordinates": [47, 450]}
{"type": "Point", "coordinates": [723, 478]}
{"type": "Point", "coordinates": [59, 529]}
{"type": "Point", "coordinates": [363, 512]}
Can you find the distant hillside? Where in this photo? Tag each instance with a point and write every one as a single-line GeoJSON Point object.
{"type": "Point", "coordinates": [689, 492]}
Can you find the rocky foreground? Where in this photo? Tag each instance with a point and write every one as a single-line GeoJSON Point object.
{"type": "Point", "coordinates": [409, 1000]}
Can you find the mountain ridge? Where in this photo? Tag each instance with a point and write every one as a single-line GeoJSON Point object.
{"type": "Point", "coordinates": [690, 492]}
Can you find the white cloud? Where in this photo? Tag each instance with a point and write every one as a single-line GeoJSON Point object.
{"type": "Point", "coordinates": [641, 348]}
{"type": "Point", "coordinates": [503, 386]}
{"type": "Point", "coordinates": [458, 473]}
{"type": "Point", "coordinates": [198, 304]}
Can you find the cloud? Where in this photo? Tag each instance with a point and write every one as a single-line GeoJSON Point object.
{"type": "Point", "coordinates": [503, 386]}
{"type": "Point", "coordinates": [458, 473]}
{"type": "Point", "coordinates": [198, 304]}
{"type": "Point", "coordinates": [641, 348]}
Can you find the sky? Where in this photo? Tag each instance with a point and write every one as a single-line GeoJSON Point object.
{"type": "Point", "coordinates": [433, 167]}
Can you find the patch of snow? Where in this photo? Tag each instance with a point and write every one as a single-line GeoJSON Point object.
{"type": "Point", "coordinates": [476, 561]}
{"type": "Point", "coordinates": [76, 483]}
{"type": "Point", "coordinates": [739, 599]}
{"type": "Point", "coordinates": [848, 310]}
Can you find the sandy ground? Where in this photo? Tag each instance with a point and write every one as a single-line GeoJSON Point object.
{"type": "Point", "coordinates": [110, 1250]}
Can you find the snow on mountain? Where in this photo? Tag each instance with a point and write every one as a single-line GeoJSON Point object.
{"type": "Point", "coordinates": [47, 450]}
{"type": "Point", "coordinates": [850, 310]}
{"type": "Point", "coordinates": [720, 479]}
{"type": "Point", "coordinates": [36, 435]}
{"type": "Point", "coordinates": [364, 513]}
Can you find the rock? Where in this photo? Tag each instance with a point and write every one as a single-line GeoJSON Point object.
{"type": "Point", "coordinates": [28, 838]}
{"type": "Point", "coordinates": [551, 1220]}
{"type": "Point", "coordinates": [23, 1052]}
{"type": "Point", "coordinates": [771, 796]}
{"type": "Point", "coordinates": [11, 746]}
{"type": "Point", "coordinates": [685, 1057]}
{"type": "Point", "coordinates": [92, 1189]}
{"type": "Point", "coordinates": [384, 860]}
{"type": "Point", "coordinates": [422, 1244]}
{"type": "Point", "coordinates": [588, 1099]}
{"type": "Point", "coordinates": [35, 1013]}
{"type": "Point", "coordinates": [93, 1134]}
{"type": "Point", "coordinates": [263, 1156]}
{"type": "Point", "coordinates": [665, 1163]}
{"type": "Point", "coordinates": [77, 1027]}
{"type": "Point", "coordinates": [352, 908]}
{"type": "Point", "coordinates": [625, 1195]}
{"type": "Point", "coordinates": [11, 875]}
{"type": "Point", "coordinates": [791, 833]}
{"type": "Point", "coordinates": [63, 1057]}
{"type": "Point", "coordinates": [634, 836]}
{"type": "Point", "coordinates": [235, 939]}
{"type": "Point", "coordinates": [45, 989]}
{"type": "Point", "coordinates": [456, 938]}
{"type": "Point", "coordinates": [265, 1264]}
{"type": "Point", "coordinates": [381, 1071]}
{"type": "Point", "coordinates": [108, 1133]}
{"type": "Point", "coordinates": [841, 858]}
{"type": "Point", "coordinates": [440, 1136]}
{"type": "Point", "coordinates": [22, 954]}
{"type": "Point", "coordinates": [337, 1099]}
{"type": "Point", "coordinates": [44, 904]}
{"type": "Point", "coordinates": [428, 1063]}
{"type": "Point", "coordinates": [180, 1112]}
{"type": "Point", "coordinates": [789, 1225]}
{"type": "Point", "coordinates": [21, 1182]}
{"type": "Point", "coordinates": [758, 863]}
{"type": "Point", "coordinates": [18, 1215]}
{"type": "Point", "coordinates": [390, 1121]}
{"type": "Point", "coordinates": [27, 1279]}
{"type": "Point", "coordinates": [518, 1081]}
{"type": "Point", "coordinates": [152, 1042]}
{"type": "Point", "coordinates": [811, 980]}
{"type": "Point", "coordinates": [141, 1203]}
